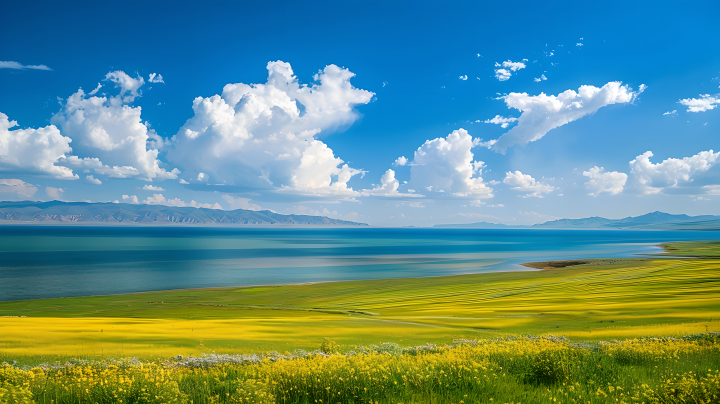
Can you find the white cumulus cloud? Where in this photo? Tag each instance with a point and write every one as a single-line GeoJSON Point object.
{"type": "Point", "coordinates": [130, 198]}
{"type": "Point", "coordinates": [541, 78]}
{"type": "Point", "coordinates": [111, 134]}
{"type": "Point", "coordinates": [505, 70]}
{"type": "Point", "coordinates": [600, 181]}
{"type": "Point", "coordinates": [400, 161]}
{"type": "Point", "coordinates": [502, 74]}
{"type": "Point", "coordinates": [542, 113]}
{"type": "Point", "coordinates": [129, 87]}
{"type": "Point", "coordinates": [513, 66]}
{"type": "Point", "coordinates": [33, 151]}
{"type": "Point", "coordinates": [264, 135]}
{"type": "Point", "coordinates": [673, 112]}
{"type": "Point", "coordinates": [93, 180]}
{"type": "Point", "coordinates": [673, 176]}
{"type": "Point", "coordinates": [704, 103]}
{"type": "Point", "coordinates": [155, 78]}
{"type": "Point", "coordinates": [446, 165]}
{"type": "Point", "coordinates": [149, 187]}
{"type": "Point", "coordinates": [526, 183]}
{"type": "Point", "coordinates": [389, 187]}
{"type": "Point", "coordinates": [463, 77]}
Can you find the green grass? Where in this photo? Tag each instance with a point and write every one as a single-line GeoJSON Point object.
{"type": "Point", "coordinates": [586, 300]}
{"type": "Point", "coordinates": [525, 370]}
{"type": "Point", "coordinates": [697, 249]}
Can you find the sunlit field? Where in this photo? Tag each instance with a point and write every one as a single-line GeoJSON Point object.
{"type": "Point", "coordinates": [600, 299]}
{"type": "Point", "coordinates": [516, 370]}
{"type": "Point", "coordinates": [445, 339]}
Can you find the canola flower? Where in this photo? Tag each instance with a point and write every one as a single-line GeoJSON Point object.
{"type": "Point", "coordinates": [504, 370]}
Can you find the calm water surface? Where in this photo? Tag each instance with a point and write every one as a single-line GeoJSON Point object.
{"type": "Point", "coordinates": [63, 261]}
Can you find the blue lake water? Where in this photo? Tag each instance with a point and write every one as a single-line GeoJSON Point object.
{"type": "Point", "coordinates": [63, 261]}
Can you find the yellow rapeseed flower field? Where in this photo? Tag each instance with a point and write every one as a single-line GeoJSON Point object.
{"type": "Point", "coordinates": [638, 331]}
{"type": "Point", "coordinates": [509, 370]}
{"type": "Point", "coordinates": [599, 300]}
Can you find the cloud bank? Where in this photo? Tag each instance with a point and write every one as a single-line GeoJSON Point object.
{"type": "Point", "coordinates": [688, 175]}
{"type": "Point", "coordinates": [33, 151]}
{"type": "Point", "coordinates": [263, 136]}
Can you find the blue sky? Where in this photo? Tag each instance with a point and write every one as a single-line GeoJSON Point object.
{"type": "Point", "coordinates": [345, 90]}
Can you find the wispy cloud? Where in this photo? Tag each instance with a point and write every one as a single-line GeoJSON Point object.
{"type": "Point", "coordinates": [20, 66]}
{"type": "Point", "coordinates": [500, 120]}
{"type": "Point", "coordinates": [542, 113]}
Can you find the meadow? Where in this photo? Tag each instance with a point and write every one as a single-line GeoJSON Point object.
{"type": "Point", "coordinates": [445, 339]}
{"type": "Point", "coordinates": [506, 370]}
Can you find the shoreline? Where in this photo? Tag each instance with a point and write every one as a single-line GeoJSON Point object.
{"type": "Point", "coordinates": [268, 285]}
{"type": "Point", "coordinates": [52, 223]}
{"type": "Point", "coordinates": [522, 267]}
{"type": "Point", "coordinates": [219, 288]}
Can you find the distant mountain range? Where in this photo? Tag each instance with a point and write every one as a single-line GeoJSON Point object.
{"type": "Point", "coordinates": [650, 221]}
{"type": "Point", "coordinates": [124, 213]}
{"type": "Point", "coordinates": [82, 212]}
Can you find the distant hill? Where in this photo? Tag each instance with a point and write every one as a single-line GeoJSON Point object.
{"type": "Point", "coordinates": [650, 221]}
{"type": "Point", "coordinates": [82, 212]}
{"type": "Point", "coordinates": [480, 225]}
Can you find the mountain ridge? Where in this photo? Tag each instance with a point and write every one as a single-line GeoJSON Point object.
{"type": "Point", "coordinates": [125, 213]}
{"type": "Point", "coordinates": [650, 221]}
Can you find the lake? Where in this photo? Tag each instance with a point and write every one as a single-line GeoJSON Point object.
{"type": "Point", "coordinates": [63, 261]}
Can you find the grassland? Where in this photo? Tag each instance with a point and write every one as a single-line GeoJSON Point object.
{"type": "Point", "coordinates": [361, 328]}
{"type": "Point", "coordinates": [515, 370]}
{"type": "Point", "coordinates": [588, 300]}
{"type": "Point", "coordinates": [695, 249]}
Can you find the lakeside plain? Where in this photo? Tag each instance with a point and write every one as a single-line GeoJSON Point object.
{"type": "Point", "coordinates": [596, 300]}
{"type": "Point", "coordinates": [451, 339]}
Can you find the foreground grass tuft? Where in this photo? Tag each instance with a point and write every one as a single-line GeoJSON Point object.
{"type": "Point", "coordinates": [506, 370]}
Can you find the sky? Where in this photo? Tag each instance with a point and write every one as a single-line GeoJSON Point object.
{"type": "Point", "coordinates": [387, 113]}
